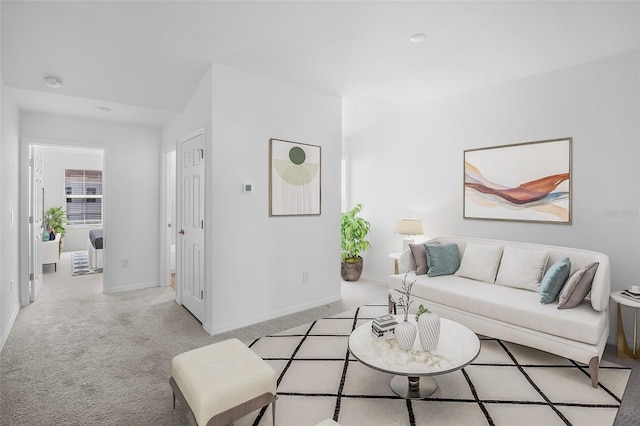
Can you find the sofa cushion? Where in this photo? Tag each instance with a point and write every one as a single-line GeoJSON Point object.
{"type": "Point", "coordinates": [554, 279]}
{"type": "Point", "coordinates": [480, 262]}
{"type": "Point", "coordinates": [522, 268]}
{"type": "Point", "coordinates": [442, 259]}
{"type": "Point", "coordinates": [509, 305]}
{"type": "Point", "coordinates": [577, 287]}
{"type": "Point", "coordinates": [420, 257]}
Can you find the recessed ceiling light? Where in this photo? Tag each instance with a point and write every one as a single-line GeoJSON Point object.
{"type": "Point", "coordinates": [418, 38]}
{"type": "Point", "coordinates": [53, 82]}
{"type": "Point", "coordinates": [104, 108]}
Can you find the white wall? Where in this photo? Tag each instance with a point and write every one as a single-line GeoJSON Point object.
{"type": "Point", "coordinates": [9, 213]}
{"type": "Point", "coordinates": [254, 271]}
{"type": "Point", "coordinates": [420, 148]}
{"type": "Point", "coordinates": [196, 115]}
{"type": "Point", "coordinates": [257, 267]}
{"type": "Point", "coordinates": [56, 160]}
{"type": "Point", "coordinates": [131, 211]}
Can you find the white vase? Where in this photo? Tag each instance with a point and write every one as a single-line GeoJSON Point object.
{"type": "Point", "coordinates": [429, 331]}
{"type": "Point", "coordinates": [405, 335]}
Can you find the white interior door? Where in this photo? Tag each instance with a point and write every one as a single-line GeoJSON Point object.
{"type": "Point", "coordinates": [190, 267]}
{"type": "Point", "coordinates": [36, 214]}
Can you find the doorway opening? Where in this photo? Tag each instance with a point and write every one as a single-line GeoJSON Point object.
{"type": "Point", "coordinates": [169, 212]}
{"type": "Point", "coordinates": [68, 180]}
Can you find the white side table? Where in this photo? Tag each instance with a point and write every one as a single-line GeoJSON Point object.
{"type": "Point", "coordinates": [395, 257]}
{"type": "Point", "coordinates": [623, 347]}
{"type": "Point", "coordinates": [51, 252]}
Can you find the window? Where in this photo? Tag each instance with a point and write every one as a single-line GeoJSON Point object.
{"type": "Point", "coordinates": [83, 190]}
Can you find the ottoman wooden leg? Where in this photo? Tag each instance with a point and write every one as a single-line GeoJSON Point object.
{"type": "Point", "coordinates": [273, 410]}
{"type": "Point", "coordinates": [183, 402]}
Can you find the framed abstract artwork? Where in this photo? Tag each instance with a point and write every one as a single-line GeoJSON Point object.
{"type": "Point", "coordinates": [294, 178]}
{"type": "Point", "coordinates": [527, 182]}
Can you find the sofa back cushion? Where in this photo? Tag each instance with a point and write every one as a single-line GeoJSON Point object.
{"type": "Point", "coordinates": [480, 262]}
{"type": "Point", "coordinates": [522, 268]}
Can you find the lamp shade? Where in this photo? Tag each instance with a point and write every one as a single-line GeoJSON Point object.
{"type": "Point", "coordinates": [408, 226]}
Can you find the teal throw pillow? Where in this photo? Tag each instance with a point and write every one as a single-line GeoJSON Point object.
{"type": "Point", "coordinates": [442, 259]}
{"type": "Point", "coordinates": [554, 279]}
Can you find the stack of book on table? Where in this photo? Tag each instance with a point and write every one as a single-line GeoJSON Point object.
{"type": "Point", "coordinates": [629, 294]}
{"type": "Point", "coordinates": [383, 327]}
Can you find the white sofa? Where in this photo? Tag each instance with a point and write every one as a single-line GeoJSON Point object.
{"type": "Point", "coordinates": [514, 314]}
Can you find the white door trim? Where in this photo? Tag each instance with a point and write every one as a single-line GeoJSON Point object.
{"type": "Point", "coordinates": [36, 216]}
{"type": "Point", "coordinates": [23, 216]}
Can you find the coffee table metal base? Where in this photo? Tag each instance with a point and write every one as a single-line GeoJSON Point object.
{"type": "Point", "coordinates": [413, 387]}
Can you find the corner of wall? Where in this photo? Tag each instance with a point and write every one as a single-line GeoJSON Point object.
{"type": "Point", "coordinates": [6, 328]}
{"type": "Point", "coordinates": [9, 212]}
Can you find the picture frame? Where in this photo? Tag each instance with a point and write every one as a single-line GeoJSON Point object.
{"type": "Point", "coordinates": [522, 182]}
{"type": "Point", "coordinates": [295, 178]}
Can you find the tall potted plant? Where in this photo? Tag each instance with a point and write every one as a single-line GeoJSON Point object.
{"type": "Point", "coordinates": [55, 219]}
{"type": "Point", "coordinates": [354, 230]}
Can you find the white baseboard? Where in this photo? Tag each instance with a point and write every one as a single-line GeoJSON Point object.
{"type": "Point", "coordinates": [261, 318]}
{"type": "Point", "coordinates": [137, 286]}
{"type": "Point", "coordinates": [12, 320]}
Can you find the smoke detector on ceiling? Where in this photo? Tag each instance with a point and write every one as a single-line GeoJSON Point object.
{"type": "Point", "coordinates": [53, 82]}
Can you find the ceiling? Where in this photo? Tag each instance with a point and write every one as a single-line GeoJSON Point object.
{"type": "Point", "coordinates": [144, 59]}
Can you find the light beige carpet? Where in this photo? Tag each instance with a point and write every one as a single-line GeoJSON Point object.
{"type": "Point", "coordinates": [507, 384]}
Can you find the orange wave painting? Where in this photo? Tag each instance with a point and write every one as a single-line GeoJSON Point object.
{"type": "Point", "coordinates": [541, 195]}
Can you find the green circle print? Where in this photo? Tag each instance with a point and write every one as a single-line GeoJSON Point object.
{"type": "Point", "coordinates": [297, 155]}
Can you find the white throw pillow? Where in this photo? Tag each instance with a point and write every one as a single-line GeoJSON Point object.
{"type": "Point", "coordinates": [480, 262]}
{"type": "Point", "coordinates": [522, 268]}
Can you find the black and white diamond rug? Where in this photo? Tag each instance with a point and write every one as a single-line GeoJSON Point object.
{"type": "Point", "coordinates": [80, 264]}
{"type": "Point", "coordinates": [507, 384]}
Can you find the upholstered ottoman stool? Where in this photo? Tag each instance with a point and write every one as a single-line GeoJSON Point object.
{"type": "Point", "coordinates": [220, 383]}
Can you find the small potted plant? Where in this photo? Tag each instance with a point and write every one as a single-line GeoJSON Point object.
{"type": "Point", "coordinates": [354, 230]}
{"type": "Point", "coordinates": [55, 219]}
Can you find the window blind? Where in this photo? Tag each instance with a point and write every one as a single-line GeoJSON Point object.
{"type": "Point", "coordinates": [84, 196]}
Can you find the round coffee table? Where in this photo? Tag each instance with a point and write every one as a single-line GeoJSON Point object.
{"type": "Point", "coordinates": [458, 346]}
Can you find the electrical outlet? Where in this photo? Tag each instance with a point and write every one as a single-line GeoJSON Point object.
{"type": "Point", "coordinates": [305, 276]}
{"type": "Point", "coordinates": [124, 263]}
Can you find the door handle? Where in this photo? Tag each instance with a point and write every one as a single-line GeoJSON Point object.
{"type": "Point", "coordinates": [181, 232]}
